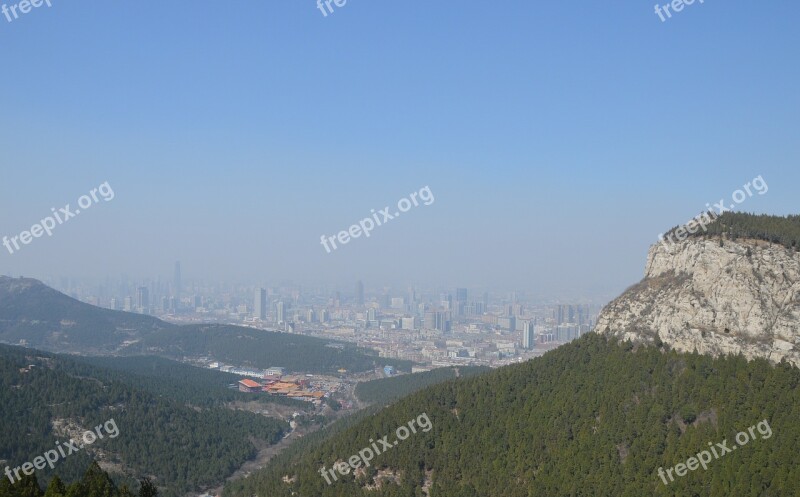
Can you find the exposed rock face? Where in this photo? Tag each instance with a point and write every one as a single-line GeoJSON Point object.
{"type": "Point", "coordinates": [742, 297]}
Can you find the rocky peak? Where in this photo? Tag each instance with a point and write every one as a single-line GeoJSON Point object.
{"type": "Point", "coordinates": [715, 296]}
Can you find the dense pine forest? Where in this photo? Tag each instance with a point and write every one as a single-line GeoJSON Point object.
{"type": "Point", "coordinates": [388, 389]}
{"type": "Point", "coordinates": [263, 349]}
{"type": "Point", "coordinates": [594, 417]}
{"type": "Point", "coordinates": [734, 225]}
{"type": "Point", "coordinates": [180, 382]}
{"type": "Point", "coordinates": [183, 447]}
{"type": "Point", "coordinates": [94, 483]}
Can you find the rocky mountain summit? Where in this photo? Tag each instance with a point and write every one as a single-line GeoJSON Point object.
{"type": "Point", "coordinates": [733, 292]}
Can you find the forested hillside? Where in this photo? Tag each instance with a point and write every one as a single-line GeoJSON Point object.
{"type": "Point", "coordinates": [775, 229]}
{"type": "Point", "coordinates": [182, 447]}
{"type": "Point", "coordinates": [591, 418]}
{"type": "Point", "coordinates": [47, 319]}
{"type": "Point", "coordinates": [263, 349]}
{"type": "Point", "coordinates": [387, 389]}
{"type": "Point", "coordinates": [94, 483]}
{"type": "Point", "coordinates": [180, 382]}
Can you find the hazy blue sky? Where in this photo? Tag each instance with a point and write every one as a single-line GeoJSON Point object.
{"type": "Point", "coordinates": [559, 138]}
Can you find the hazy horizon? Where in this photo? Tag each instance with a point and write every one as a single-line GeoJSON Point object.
{"type": "Point", "coordinates": [556, 148]}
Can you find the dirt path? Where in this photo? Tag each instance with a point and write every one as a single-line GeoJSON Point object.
{"type": "Point", "coordinates": [265, 454]}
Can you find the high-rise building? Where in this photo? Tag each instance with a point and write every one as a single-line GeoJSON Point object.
{"type": "Point", "coordinates": [446, 301]}
{"type": "Point", "coordinates": [443, 321]}
{"type": "Point", "coordinates": [528, 335]}
{"type": "Point", "coordinates": [260, 304]}
{"type": "Point", "coordinates": [412, 296]}
{"type": "Point", "coordinates": [429, 321]}
{"type": "Point", "coordinates": [409, 323]}
{"type": "Point", "coordinates": [372, 315]}
{"type": "Point", "coordinates": [142, 299]}
{"type": "Point", "coordinates": [360, 292]}
{"type": "Point", "coordinates": [279, 317]}
{"type": "Point", "coordinates": [459, 308]}
{"type": "Point", "coordinates": [176, 283]}
{"type": "Point", "coordinates": [127, 305]}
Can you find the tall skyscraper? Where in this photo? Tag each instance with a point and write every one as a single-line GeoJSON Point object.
{"type": "Point", "coordinates": [143, 299]}
{"type": "Point", "coordinates": [360, 292]}
{"type": "Point", "coordinates": [429, 321]}
{"type": "Point", "coordinates": [176, 283]}
{"type": "Point", "coordinates": [528, 335]}
{"type": "Point", "coordinates": [279, 317]}
{"type": "Point", "coordinates": [260, 304]}
{"type": "Point", "coordinates": [412, 296]}
{"type": "Point", "coordinates": [443, 321]}
{"type": "Point", "coordinates": [461, 301]}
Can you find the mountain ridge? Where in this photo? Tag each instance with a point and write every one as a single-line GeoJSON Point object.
{"type": "Point", "coordinates": [715, 294]}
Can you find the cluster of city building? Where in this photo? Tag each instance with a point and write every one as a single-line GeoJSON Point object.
{"type": "Point", "coordinates": [434, 327]}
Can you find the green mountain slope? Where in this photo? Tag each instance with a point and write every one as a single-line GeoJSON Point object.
{"type": "Point", "coordinates": [49, 320]}
{"type": "Point", "coordinates": [590, 418]}
{"type": "Point", "coordinates": [180, 382]}
{"type": "Point", "coordinates": [183, 447]}
{"type": "Point", "coordinates": [388, 389]}
{"type": "Point", "coordinates": [262, 349]}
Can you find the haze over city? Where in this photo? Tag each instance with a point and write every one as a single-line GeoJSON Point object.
{"type": "Point", "coordinates": [235, 150]}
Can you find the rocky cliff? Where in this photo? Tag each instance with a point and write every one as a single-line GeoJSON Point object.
{"type": "Point", "coordinates": [715, 298]}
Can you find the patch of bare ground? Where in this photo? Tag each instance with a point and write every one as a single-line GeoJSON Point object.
{"type": "Point", "coordinates": [265, 453]}
{"type": "Point", "coordinates": [623, 450]}
{"type": "Point", "coordinates": [384, 477]}
{"type": "Point", "coordinates": [427, 483]}
{"type": "Point", "coordinates": [277, 411]}
{"type": "Point", "coordinates": [709, 416]}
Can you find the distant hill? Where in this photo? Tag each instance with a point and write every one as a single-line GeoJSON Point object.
{"type": "Point", "coordinates": [262, 349]}
{"type": "Point", "coordinates": [47, 319]}
{"type": "Point", "coordinates": [388, 389]}
{"type": "Point", "coordinates": [45, 398]}
{"type": "Point", "coordinates": [34, 315]}
{"type": "Point", "coordinates": [593, 417]}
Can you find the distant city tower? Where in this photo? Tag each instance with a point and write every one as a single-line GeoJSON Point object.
{"type": "Point", "coordinates": [260, 304]}
{"type": "Point", "coordinates": [360, 292]}
{"type": "Point", "coordinates": [177, 282]}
